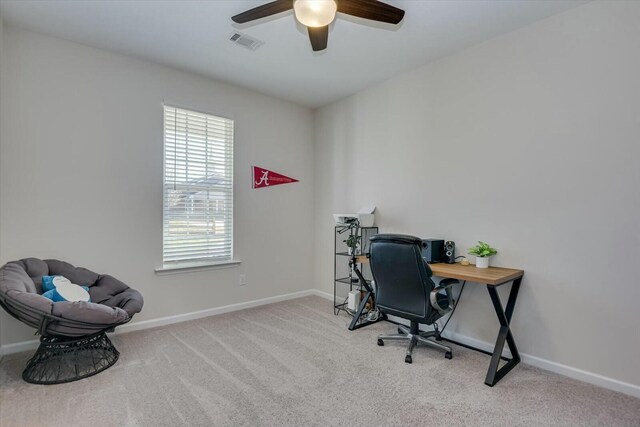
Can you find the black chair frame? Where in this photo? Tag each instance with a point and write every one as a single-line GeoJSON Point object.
{"type": "Point", "coordinates": [60, 359]}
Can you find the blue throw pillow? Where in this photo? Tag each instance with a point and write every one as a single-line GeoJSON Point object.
{"type": "Point", "coordinates": [55, 296]}
{"type": "Point", "coordinates": [59, 288]}
{"type": "Point", "coordinates": [52, 282]}
{"type": "Point", "coordinates": [47, 283]}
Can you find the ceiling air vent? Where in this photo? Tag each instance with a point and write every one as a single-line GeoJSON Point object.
{"type": "Point", "coordinates": [245, 40]}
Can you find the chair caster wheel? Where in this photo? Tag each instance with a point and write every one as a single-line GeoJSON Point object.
{"type": "Point", "coordinates": [448, 355]}
{"type": "Point", "coordinates": [380, 342]}
{"type": "Point", "coordinates": [407, 359]}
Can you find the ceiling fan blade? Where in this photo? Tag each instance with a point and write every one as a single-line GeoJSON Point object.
{"type": "Point", "coordinates": [319, 37]}
{"type": "Point", "coordinates": [263, 11]}
{"type": "Point", "coordinates": [371, 9]}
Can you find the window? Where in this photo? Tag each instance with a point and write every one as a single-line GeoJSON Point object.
{"type": "Point", "coordinates": [198, 188]}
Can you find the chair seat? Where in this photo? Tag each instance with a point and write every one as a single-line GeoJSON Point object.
{"type": "Point", "coordinates": [113, 302]}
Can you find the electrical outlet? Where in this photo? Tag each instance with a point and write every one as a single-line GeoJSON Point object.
{"type": "Point", "coordinates": [243, 279]}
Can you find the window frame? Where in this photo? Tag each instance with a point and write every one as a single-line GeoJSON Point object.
{"type": "Point", "coordinates": [195, 264]}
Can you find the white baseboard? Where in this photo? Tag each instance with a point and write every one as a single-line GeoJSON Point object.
{"type": "Point", "coordinates": [162, 321]}
{"type": "Point", "coordinates": [558, 368]}
{"type": "Point", "coordinates": [568, 371]}
{"type": "Point", "coordinates": [178, 318]}
{"type": "Point", "coordinates": [322, 294]}
{"type": "Point", "coordinates": [18, 347]}
{"type": "Point", "coordinates": [582, 375]}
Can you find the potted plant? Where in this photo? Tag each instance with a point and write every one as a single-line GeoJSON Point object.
{"type": "Point", "coordinates": [483, 251]}
{"type": "Point", "coordinates": [352, 243]}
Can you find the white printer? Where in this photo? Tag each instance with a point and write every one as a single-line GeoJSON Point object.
{"type": "Point", "coordinates": [365, 217]}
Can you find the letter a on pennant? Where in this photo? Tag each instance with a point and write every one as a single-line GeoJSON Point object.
{"type": "Point", "coordinates": [265, 178]}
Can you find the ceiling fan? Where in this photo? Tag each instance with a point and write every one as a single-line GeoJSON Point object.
{"type": "Point", "coordinates": [316, 15]}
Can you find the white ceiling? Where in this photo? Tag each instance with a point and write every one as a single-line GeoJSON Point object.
{"type": "Point", "coordinates": [192, 35]}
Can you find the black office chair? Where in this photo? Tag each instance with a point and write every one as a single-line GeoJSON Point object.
{"type": "Point", "coordinates": [404, 288]}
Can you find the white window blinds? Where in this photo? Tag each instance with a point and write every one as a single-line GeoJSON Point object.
{"type": "Point", "coordinates": [198, 188]}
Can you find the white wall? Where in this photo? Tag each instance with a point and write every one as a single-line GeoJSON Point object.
{"type": "Point", "coordinates": [1, 95]}
{"type": "Point", "coordinates": [529, 141]}
{"type": "Point", "coordinates": [81, 173]}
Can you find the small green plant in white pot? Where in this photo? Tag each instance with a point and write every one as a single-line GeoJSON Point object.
{"type": "Point", "coordinates": [483, 252]}
{"type": "Point", "coordinates": [352, 242]}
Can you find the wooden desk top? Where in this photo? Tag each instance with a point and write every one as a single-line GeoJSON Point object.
{"type": "Point", "coordinates": [494, 276]}
{"type": "Point", "coordinates": [490, 276]}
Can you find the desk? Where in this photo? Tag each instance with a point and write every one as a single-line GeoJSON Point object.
{"type": "Point", "coordinates": [492, 277]}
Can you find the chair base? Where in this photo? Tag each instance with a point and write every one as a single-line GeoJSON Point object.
{"type": "Point", "coordinates": [63, 359]}
{"type": "Point", "coordinates": [415, 336]}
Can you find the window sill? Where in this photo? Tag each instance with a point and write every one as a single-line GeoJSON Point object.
{"type": "Point", "coordinates": [195, 267]}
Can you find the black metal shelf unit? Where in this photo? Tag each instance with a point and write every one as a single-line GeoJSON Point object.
{"type": "Point", "coordinates": [343, 274]}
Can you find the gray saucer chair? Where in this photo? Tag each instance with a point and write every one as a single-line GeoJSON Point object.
{"type": "Point", "coordinates": [73, 342]}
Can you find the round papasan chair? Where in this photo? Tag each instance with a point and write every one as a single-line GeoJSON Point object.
{"type": "Point", "coordinates": [73, 342]}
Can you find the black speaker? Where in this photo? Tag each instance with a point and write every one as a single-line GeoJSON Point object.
{"type": "Point", "coordinates": [449, 252]}
{"type": "Point", "coordinates": [433, 250]}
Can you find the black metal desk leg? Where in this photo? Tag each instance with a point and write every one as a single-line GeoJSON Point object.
{"type": "Point", "coordinates": [504, 316]}
{"type": "Point", "coordinates": [356, 317]}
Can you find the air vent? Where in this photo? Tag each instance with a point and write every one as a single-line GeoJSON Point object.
{"type": "Point", "coordinates": [245, 40]}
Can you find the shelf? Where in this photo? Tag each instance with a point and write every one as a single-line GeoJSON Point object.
{"type": "Point", "coordinates": [347, 254]}
{"type": "Point", "coordinates": [343, 259]}
{"type": "Point", "coordinates": [346, 281]}
{"type": "Point", "coordinates": [343, 307]}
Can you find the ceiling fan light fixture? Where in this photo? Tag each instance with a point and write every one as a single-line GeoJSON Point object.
{"type": "Point", "coordinates": [315, 13]}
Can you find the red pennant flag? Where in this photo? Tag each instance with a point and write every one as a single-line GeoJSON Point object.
{"type": "Point", "coordinates": [266, 178]}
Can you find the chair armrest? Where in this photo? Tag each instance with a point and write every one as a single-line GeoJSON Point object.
{"type": "Point", "coordinates": [444, 285]}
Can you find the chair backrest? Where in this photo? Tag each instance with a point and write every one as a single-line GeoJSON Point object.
{"type": "Point", "coordinates": [402, 277]}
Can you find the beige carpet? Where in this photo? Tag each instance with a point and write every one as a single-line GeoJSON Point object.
{"type": "Point", "coordinates": [295, 364]}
